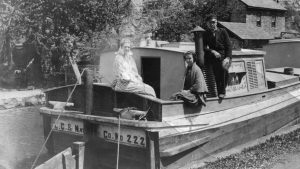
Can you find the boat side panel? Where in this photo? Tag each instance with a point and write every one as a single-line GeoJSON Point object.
{"type": "Point", "coordinates": [230, 102]}
{"type": "Point", "coordinates": [105, 99]}
{"type": "Point", "coordinates": [173, 110]}
{"type": "Point", "coordinates": [103, 154]}
{"type": "Point", "coordinates": [62, 141]}
{"type": "Point", "coordinates": [47, 129]}
{"type": "Point", "coordinates": [232, 135]}
{"type": "Point", "coordinates": [99, 153]}
{"type": "Point", "coordinates": [62, 94]}
{"type": "Point", "coordinates": [215, 105]}
{"type": "Point", "coordinates": [166, 143]}
{"type": "Point", "coordinates": [58, 140]}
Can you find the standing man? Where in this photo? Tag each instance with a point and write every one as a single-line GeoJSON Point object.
{"type": "Point", "coordinates": [218, 51]}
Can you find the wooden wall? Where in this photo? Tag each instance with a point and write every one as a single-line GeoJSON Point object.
{"type": "Point", "coordinates": [172, 68]}
{"type": "Point", "coordinates": [283, 53]}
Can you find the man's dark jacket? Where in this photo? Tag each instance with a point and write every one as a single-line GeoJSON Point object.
{"type": "Point", "coordinates": [220, 43]}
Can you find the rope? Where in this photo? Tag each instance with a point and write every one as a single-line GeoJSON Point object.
{"type": "Point", "coordinates": [68, 99]}
{"type": "Point", "coordinates": [119, 136]}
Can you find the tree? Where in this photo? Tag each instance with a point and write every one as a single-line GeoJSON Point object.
{"type": "Point", "coordinates": [177, 18]}
{"type": "Point", "coordinates": [70, 26]}
{"type": "Point", "coordinates": [86, 20]}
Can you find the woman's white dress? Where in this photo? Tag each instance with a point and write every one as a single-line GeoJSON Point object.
{"type": "Point", "coordinates": [127, 78]}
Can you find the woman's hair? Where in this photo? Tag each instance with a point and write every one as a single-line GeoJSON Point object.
{"type": "Point", "coordinates": [125, 41]}
{"type": "Point", "coordinates": [122, 44]}
{"type": "Point", "coordinates": [190, 53]}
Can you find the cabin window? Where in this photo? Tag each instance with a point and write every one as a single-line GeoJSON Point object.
{"type": "Point", "coordinates": [256, 76]}
{"type": "Point", "coordinates": [273, 21]}
{"type": "Point", "coordinates": [260, 74]}
{"type": "Point", "coordinates": [252, 75]}
{"type": "Point", "coordinates": [258, 20]}
{"type": "Point", "coordinates": [151, 72]}
{"type": "Point", "coordinates": [237, 82]}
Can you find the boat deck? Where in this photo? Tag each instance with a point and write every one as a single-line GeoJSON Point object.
{"type": "Point", "coordinates": [186, 123]}
{"type": "Point", "coordinates": [183, 135]}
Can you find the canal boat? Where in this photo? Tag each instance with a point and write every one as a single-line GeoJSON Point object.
{"type": "Point", "coordinates": [127, 130]}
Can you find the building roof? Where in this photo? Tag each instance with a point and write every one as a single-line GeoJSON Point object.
{"type": "Point", "coordinates": [246, 31]}
{"type": "Point", "coordinates": [267, 4]}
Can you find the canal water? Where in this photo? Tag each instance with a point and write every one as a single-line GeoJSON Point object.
{"type": "Point", "coordinates": [21, 138]}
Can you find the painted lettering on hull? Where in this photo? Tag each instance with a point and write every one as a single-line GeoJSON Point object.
{"type": "Point", "coordinates": [128, 136]}
{"type": "Point", "coordinates": [67, 125]}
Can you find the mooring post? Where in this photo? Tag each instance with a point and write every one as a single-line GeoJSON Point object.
{"type": "Point", "coordinates": [153, 157]}
{"type": "Point", "coordinates": [78, 151]}
{"type": "Point", "coordinates": [88, 88]}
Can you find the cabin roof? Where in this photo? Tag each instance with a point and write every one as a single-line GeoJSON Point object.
{"type": "Point", "coordinates": [284, 40]}
{"type": "Point", "coordinates": [183, 49]}
{"type": "Point", "coordinates": [246, 31]}
{"type": "Point", "coordinates": [266, 4]}
{"type": "Point", "coordinates": [281, 70]}
{"type": "Point", "coordinates": [278, 77]}
{"type": "Point", "coordinates": [247, 52]}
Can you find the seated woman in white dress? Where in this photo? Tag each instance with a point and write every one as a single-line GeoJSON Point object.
{"type": "Point", "coordinates": [126, 76]}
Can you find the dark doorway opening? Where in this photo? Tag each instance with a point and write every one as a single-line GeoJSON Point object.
{"type": "Point", "coordinates": [151, 73]}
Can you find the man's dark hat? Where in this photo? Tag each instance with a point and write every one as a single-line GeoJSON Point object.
{"type": "Point", "coordinates": [211, 17]}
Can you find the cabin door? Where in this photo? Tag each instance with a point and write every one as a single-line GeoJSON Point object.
{"type": "Point", "coordinates": [151, 72]}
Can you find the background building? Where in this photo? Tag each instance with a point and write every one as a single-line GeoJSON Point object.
{"type": "Point", "coordinates": [266, 14]}
{"type": "Point", "coordinates": [244, 35]}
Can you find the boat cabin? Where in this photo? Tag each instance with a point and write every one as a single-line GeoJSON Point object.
{"type": "Point", "coordinates": [163, 68]}
{"type": "Point", "coordinates": [170, 134]}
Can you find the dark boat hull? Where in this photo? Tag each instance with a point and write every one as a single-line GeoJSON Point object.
{"type": "Point", "coordinates": [179, 141]}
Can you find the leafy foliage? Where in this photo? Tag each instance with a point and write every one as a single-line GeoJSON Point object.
{"type": "Point", "coordinates": [293, 14]}
{"type": "Point", "coordinates": [52, 19]}
{"type": "Point", "coordinates": [61, 28]}
{"type": "Point", "coordinates": [58, 24]}
{"type": "Point", "coordinates": [178, 18]}
{"type": "Point", "coordinates": [173, 20]}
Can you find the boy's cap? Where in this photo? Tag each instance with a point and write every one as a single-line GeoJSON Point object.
{"type": "Point", "coordinates": [211, 17]}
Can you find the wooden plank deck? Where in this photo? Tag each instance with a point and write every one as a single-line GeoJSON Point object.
{"type": "Point", "coordinates": [221, 118]}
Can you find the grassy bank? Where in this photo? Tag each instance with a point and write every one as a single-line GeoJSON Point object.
{"type": "Point", "coordinates": [261, 156]}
